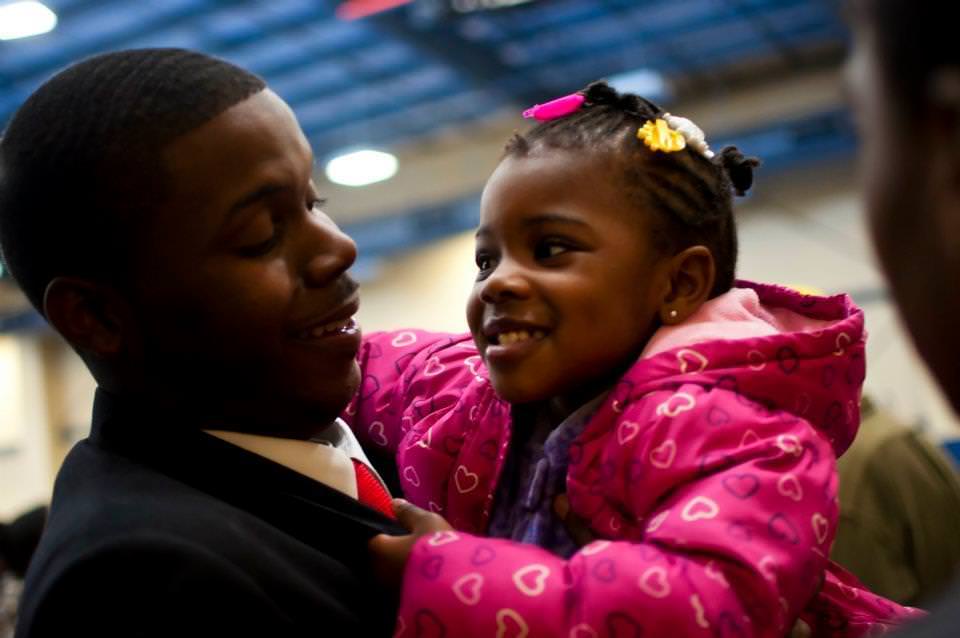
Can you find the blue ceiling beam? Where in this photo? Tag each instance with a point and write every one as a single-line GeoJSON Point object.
{"type": "Point", "coordinates": [403, 126]}
{"type": "Point", "coordinates": [540, 17]}
{"type": "Point", "coordinates": [439, 41]}
{"type": "Point", "coordinates": [316, 33]}
{"type": "Point", "coordinates": [574, 44]}
{"type": "Point", "coordinates": [329, 115]}
{"type": "Point", "coordinates": [91, 31]}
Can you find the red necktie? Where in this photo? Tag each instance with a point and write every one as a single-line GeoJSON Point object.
{"type": "Point", "coordinates": [370, 490]}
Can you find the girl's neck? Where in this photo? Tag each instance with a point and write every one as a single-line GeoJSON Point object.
{"type": "Point", "coordinates": [562, 406]}
{"type": "Point", "coordinates": [556, 410]}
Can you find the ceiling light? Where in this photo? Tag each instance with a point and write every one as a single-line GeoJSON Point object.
{"type": "Point", "coordinates": [362, 167]}
{"type": "Point", "coordinates": [24, 19]}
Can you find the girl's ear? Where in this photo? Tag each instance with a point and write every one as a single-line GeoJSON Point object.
{"type": "Point", "coordinates": [691, 274]}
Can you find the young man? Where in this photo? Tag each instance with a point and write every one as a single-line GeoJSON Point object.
{"type": "Point", "coordinates": [157, 207]}
{"type": "Point", "coordinates": [904, 77]}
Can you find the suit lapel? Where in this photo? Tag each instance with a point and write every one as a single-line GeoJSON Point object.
{"type": "Point", "coordinates": [303, 508]}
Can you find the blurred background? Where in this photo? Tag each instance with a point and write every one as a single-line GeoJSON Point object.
{"type": "Point", "coordinates": [408, 104]}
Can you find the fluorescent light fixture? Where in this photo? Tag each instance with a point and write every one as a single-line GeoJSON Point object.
{"type": "Point", "coordinates": [24, 19]}
{"type": "Point", "coordinates": [361, 167]}
{"type": "Point", "coordinates": [644, 82]}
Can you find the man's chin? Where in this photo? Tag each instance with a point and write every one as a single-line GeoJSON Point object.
{"type": "Point", "coordinates": [323, 400]}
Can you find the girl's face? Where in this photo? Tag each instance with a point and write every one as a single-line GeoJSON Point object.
{"type": "Point", "coordinates": [569, 282]}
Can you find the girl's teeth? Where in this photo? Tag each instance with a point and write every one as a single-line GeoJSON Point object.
{"type": "Point", "coordinates": [517, 336]}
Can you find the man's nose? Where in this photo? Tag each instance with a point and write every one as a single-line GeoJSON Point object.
{"type": "Point", "coordinates": [332, 253]}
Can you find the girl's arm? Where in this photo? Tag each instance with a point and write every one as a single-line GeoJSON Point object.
{"type": "Point", "coordinates": [390, 362]}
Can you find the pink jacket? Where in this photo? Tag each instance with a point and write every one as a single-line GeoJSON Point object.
{"type": "Point", "coordinates": [709, 471]}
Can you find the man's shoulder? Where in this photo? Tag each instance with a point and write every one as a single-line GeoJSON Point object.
{"type": "Point", "coordinates": [103, 494]}
{"type": "Point", "coordinates": [119, 527]}
{"type": "Point", "coordinates": [105, 504]}
{"type": "Point", "coordinates": [102, 499]}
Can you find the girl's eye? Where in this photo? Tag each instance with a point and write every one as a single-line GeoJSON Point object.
{"type": "Point", "coordinates": [550, 248]}
{"type": "Point", "coordinates": [484, 263]}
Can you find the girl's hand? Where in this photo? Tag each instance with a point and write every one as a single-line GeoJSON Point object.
{"type": "Point", "coordinates": [389, 554]}
{"type": "Point", "coordinates": [577, 527]}
{"type": "Point", "coordinates": [800, 630]}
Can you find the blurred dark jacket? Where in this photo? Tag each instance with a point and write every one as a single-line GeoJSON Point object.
{"type": "Point", "coordinates": [18, 541]}
{"type": "Point", "coordinates": [19, 538]}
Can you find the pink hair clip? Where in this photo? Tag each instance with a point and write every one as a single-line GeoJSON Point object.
{"type": "Point", "coordinates": [560, 107]}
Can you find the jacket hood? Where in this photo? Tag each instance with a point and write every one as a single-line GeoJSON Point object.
{"type": "Point", "coordinates": [793, 354]}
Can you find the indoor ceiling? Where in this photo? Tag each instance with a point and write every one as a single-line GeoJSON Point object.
{"type": "Point", "coordinates": [428, 65]}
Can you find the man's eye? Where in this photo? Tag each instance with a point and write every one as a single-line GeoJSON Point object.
{"type": "Point", "coordinates": [269, 237]}
{"type": "Point", "coordinates": [260, 248]}
{"type": "Point", "coordinates": [316, 204]}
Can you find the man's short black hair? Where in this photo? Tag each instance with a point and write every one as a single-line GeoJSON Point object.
{"type": "Point", "coordinates": [80, 159]}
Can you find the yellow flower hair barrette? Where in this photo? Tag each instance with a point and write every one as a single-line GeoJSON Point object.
{"type": "Point", "coordinates": [658, 136]}
{"type": "Point", "coordinates": [672, 133]}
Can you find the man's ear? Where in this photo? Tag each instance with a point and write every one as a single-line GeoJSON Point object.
{"type": "Point", "coordinates": [89, 315]}
{"type": "Point", "coordinates": [691, 273]}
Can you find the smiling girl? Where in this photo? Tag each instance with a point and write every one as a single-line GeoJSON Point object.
{"type": "Point", "coordinates": [691, 420]}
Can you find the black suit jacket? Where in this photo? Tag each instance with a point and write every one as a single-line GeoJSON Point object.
{"type": "Point", "coordinates": [154, 531]}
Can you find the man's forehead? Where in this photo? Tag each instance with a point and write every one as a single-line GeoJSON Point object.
{"type": "Point", "coordinates": [256, 142]}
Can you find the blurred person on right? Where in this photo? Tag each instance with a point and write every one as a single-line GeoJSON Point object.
{"type": "Point", "coordinates": [904, 77]}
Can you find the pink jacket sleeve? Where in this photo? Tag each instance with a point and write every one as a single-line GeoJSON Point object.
{"type": "Point", "coordinates": [724, 511]}
{"type": "Point", "coordinates": [390, 362]}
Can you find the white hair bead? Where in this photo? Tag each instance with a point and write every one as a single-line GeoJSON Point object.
{"type": "Point", "coordinates": [692, 133]}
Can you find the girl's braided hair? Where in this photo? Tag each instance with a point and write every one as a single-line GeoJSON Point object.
{"type": "Point", "coordinates": [690, 194]}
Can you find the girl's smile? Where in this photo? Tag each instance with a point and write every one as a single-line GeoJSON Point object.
{"type": "Point", "coordinates": [510, 339]}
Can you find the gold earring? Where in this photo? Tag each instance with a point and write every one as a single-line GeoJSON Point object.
{"type": "Point", "coordinates": [673, 314]}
